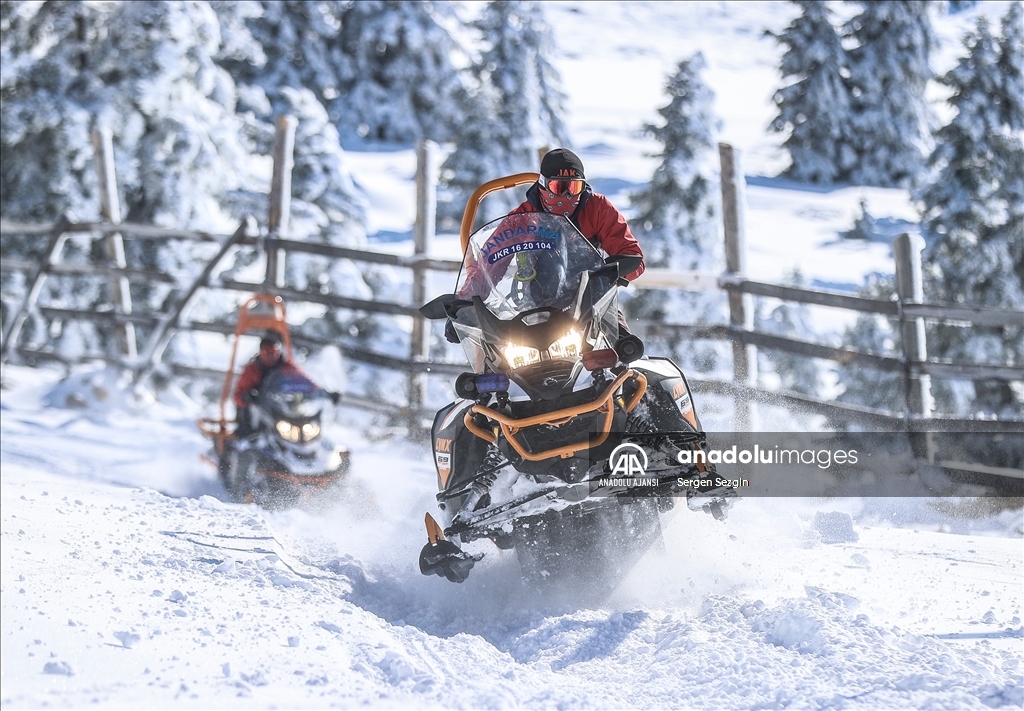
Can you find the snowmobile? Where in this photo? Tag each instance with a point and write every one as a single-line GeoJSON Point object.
{"type": "Point", "coordinates": [524, 457]}
{"type": "Point", "coordinates": [284, 460]}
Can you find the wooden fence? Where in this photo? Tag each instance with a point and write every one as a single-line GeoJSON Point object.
{"type": "Point", "coordinates": [906, 306]}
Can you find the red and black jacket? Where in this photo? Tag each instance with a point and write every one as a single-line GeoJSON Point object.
{"type": "Point", "coordinates": [598, 220]}
{"type": "Point", "coordinates": [253, 375]}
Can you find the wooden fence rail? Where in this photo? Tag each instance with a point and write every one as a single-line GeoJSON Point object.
{"type": "Point", "coordinates": [842, 412]}
{"type": "Point", "coordinates": [991, 317]}
{"type": "Point", "coordinates": [843, 356]}
{"type": "Point", "coordinates": [904, 307]}
{"type": "Point", "coordinates": [129, 229]}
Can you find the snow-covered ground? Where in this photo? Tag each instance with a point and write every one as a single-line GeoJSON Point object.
{"type": "Point", "coordinates": [128, 581]}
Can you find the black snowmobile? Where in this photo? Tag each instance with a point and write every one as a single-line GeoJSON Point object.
{"type": "Point", "coordinates": [285, 460]}
{"type": "Point", "coordinates": [526, 456]}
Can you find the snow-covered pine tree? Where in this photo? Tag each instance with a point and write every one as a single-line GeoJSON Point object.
{"type": "Point", "coordinates": [815, 108]}
{"type": "Point", "coordinates": [974, 205]}
{"type": "Point", "coordinates": [147, 72]}
{"type": "Point", "coordinates": [285, 44]}
{"type": "Point", "coordinates": [889, 71]}
{"type": "Point", "coordinates": [385, 70]}
{"type": "Point", "coordinates": [517, 64]}
{"type": "Point", "coordinates": [47, 76]}
{"type": "Point", "coordinates": [675, 214]}
{"type": "Point", "coordinates": [288, 66]}
{"type": "Point", "coordinates": [477, 158]}
{"type": "Point", "coordinates": [179, 105]}
{"type": "Point", "coordinates": [518, 109]}
{"type": "Point", "coordinates": [326, 207]}
{"type": "Point", "coordinates": [399, 81]}
{"type": "Point", "coordinates": [47, 158]}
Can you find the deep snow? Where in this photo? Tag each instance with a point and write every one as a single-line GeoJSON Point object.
{"type": "Point", "coordinates": [128, 582]}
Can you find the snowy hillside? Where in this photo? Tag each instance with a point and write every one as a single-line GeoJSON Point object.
{"type": "Point", "coordinates": [128, 580]}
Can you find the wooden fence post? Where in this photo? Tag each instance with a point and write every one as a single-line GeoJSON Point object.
{"type": "Point", "coordinates": [423, 236]}
{"type": "Point", "coordinates": [34, 285]}
{"type": "Point", "coordinates": [910, 289]}
{"type": "Point", "coordinates": [741, 307]}
{"type": "Point", "coordinates": [280, 207]}
{"type": "Point", "coordinates": [113, 244]}
{"type": "Point", "coordinates": [906, 250]}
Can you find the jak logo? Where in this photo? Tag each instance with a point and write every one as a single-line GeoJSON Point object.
{"type": "Point", "coordinates": [628, 460]}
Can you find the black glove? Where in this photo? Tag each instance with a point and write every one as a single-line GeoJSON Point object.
{"type": "Point", "coordinates": [335, 397]}
{"type": "Point", "coordinates": [250, 396]}
{"type": "Point", "coordinates": [449, 333]}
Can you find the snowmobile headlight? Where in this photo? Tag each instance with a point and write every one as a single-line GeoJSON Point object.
{"type": "Point", "coordinates": [520, 356]}
{"type": "Point", "coordinates": [310, 431]}
{"type": "Point", "coordinates": [288, 431]}
{"type": "Point", "coordinates": [568, 346]}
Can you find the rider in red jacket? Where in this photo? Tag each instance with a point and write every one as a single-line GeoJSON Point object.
{"type": "Point", "coordinates": [563, 190]}
{"type": "Point", "coordinates": [270, 358]}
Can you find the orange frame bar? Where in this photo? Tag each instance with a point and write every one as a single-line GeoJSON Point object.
{"type": "Point", "coordinates": [510, 425]}
{"type": "Point", "coordinates": [492, 186]}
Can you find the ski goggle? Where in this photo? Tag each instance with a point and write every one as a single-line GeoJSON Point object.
{"type": "Point", "coordinates": [563, 186]}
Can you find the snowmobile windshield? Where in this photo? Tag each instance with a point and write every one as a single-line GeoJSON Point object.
{"type": "Point", "coordinates": [546, 291]}
{"type": "Point", "coordinates": [525, 261]}
{"type": "Point", "coordinates": [292, 395]}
